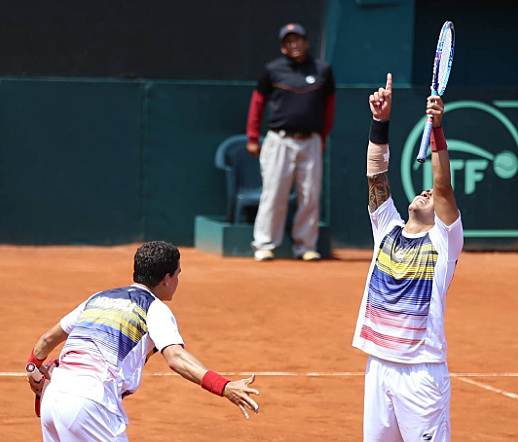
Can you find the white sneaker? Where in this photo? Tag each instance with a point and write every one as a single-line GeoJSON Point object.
{"type": "Point", "coordinates": [264, 255]}
{"type": "Point", "coordinates": [311, 255]}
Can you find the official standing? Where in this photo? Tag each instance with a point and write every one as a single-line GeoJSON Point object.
{"type": "Point", "coordinates": [301, 95]}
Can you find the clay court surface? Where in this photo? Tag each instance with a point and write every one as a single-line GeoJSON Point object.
{"type": "Point", "coordinates": [290, 322]}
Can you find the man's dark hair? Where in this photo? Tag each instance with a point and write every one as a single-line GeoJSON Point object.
{"type": "Point", "coordinates": [153, 261]}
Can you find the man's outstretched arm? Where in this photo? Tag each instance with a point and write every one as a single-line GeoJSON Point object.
{"type": "Point", "coordinates": [378, 151]}
{"type": "Point", "coordinates": [190, 368]}
{"type": "Point", "coordinates": [444, 199]}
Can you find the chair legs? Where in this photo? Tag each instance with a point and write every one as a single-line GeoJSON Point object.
{"type": "Point", "coordinates": [237, 212]}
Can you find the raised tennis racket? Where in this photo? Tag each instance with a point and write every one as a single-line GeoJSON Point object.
{"type": "Point", "coordinates": [441, 72]}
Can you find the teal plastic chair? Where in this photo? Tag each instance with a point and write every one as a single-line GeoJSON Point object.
{"type": "Point", "coordinates": [243, 176]}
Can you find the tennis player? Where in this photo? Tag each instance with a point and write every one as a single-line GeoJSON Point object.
{"type": "Point", "coordinates": [401, 320]}
{"type": "Point", "coordinates": [109, 338]}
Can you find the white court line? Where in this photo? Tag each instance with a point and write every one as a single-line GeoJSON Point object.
{"type": "Point", "coordinates": [295, 374]}
{"type": "Point", "coordinates": [489, 388]}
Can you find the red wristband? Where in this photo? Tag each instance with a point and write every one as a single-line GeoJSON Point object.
{"type": "Point", "coordinates": [437, 140]}
{"type": "Point", "coordinates": [35, 360]}
{"type": "Point", "coordinates": [214, 382]}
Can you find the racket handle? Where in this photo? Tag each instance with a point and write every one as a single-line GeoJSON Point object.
{"type": "Point", "coordinates": [425, 141]}
{"type": "Point", "coordinates": [33, 372]}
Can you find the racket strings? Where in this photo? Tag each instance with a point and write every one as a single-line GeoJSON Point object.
{"type": "Point", "coordinates": [445, 60]}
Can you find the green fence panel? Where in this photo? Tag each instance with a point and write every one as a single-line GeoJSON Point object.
{"type": "Point", "coordinates": [109, 162]}
{"type": "Point", "coordinates": [184, 124]}
{"type": "Point", "coordinates": [69, 161]}
{"type": "Point", "coordinates": [363, 38]}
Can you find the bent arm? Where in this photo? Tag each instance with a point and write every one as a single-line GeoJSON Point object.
{"type": "Point", "coordinates": [49, 341]}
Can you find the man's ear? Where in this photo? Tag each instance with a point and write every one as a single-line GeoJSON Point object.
{"type": "Point", "coordinates": [165, 280]}
{"type": "Point", "coordinates": [284, 50]}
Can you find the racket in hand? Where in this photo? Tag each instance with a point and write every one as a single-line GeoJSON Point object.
{"type": "Point", "coordinates": [441, 72]}
{"type": "Point", "coordinates": [39, 378]}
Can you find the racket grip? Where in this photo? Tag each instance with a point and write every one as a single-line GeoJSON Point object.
{"type": "Point", "coordinates": [425, 141]}
{"type": "Point", "coordinates": [33, 372]}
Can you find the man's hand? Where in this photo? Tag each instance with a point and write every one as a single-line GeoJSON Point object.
{"type": "Point", "coordinates": [253, 149]}
{"type": "Point", "coordinates": [36, 382]}
{"type": "Point", "coordinates": [381, 101]}
{"type": "Point", "coordinates": [44, 373]}
{"type": "Point", "coordinates": [239, 393]}
{"type": "Point", "coordinates": [435, 109]}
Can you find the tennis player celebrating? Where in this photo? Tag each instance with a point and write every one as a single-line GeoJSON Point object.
{"type": "Point", "coordinates": [109, 338]}
{"type": "Point", "coordinates": [401, 319]}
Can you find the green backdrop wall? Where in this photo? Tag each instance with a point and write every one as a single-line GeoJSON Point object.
{"type": "Point", "coordinates": [109, 162]}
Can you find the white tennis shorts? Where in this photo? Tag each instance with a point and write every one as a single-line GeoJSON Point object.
{"type": "Point", "coordinates": [406, 402]}
{"type": "Point", "coordinates": [69, 418]}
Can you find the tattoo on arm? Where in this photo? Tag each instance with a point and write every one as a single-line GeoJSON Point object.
{"type": "Point", "coordinates": [379, 190]}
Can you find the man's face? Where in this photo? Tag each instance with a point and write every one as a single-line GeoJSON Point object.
{"type": "Point", "coordinates": [423, 203]}
{"type": "Point", "coordinates": [172, 284]}
{"type": "Point", "coordinates": [295, 47]}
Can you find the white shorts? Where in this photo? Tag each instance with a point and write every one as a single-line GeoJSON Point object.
{"type": "Point", "coordinates": [69, 418]}
{"type": "Point", "coordinates": [406, 402]}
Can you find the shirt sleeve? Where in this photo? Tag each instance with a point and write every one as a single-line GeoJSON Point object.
{"type": "Point", "coordinates": [264, 85]}
{"type": "Point", "coordinates": [69, 321]}
{"type": "Point", "coordinates": [329, 85]}
{"type": "Point", "coordinates": [384, 218]}
{"type": "Point", "coordinates": [255, 116]}
{"type": "Point", "coordinates": [329, 114]}
{"type": "Point", "coordinates": [450, 238]}
{"type": "Point", "coordinates": [162, 326]}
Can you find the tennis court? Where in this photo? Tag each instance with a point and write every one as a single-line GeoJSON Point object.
{"type": "Point", "coordinates": [289, 322]}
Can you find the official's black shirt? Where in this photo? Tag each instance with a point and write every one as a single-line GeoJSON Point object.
{"type": "Point", "coordinates": [295, 92]}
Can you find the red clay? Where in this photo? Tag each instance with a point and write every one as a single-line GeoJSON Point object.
{"type": "Point", "coordinates": [237, 315]}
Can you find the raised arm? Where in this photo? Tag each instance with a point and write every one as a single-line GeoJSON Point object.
{"type": "Point", "coordinates": [378, 151]}
{"type": "Point", "coordinates": [444, 199]}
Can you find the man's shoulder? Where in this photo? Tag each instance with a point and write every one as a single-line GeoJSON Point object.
{"type": "Point", "coordinates": [277, 63]}
{"type": "Point", "coordinates": [321, 64]}
{"type": "Point", "coordinates": [123, 296]}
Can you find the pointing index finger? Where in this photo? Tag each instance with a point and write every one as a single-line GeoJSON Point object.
{"type": "Point", "coordinates": [388, 87]}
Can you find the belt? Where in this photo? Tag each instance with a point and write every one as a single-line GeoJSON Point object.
{"type": "Point", "coordinates": [295, 135]}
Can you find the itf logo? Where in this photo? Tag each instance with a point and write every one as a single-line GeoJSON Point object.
{"type": "Point", "coordinates": [483, 148]}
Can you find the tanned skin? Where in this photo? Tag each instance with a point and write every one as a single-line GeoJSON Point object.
{"type": "Point", "coordinates": [379, 190]}
{"type": "Point", "coordinates": [438, 201]}
{"type": "Point", "coordinates": [380, 103]}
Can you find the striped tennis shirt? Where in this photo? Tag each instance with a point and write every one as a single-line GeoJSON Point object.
{"type": "Point", "coordinates": [401, 316]}
{"type": "Point", "coordinates": [111, 336]}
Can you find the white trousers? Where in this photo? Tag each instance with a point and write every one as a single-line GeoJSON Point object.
{"type": "Point", "coordinates": [406, 402]}
{"type": "Point", "coordinates": [69, 418]}
{"type": "Point", "coordinates": [285, 161]}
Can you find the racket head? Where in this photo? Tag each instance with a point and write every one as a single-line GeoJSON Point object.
{"type": "Point", "coordinates": [443, 58]}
